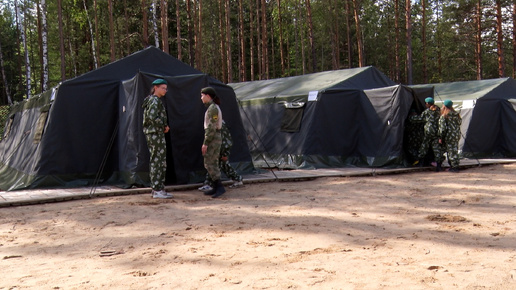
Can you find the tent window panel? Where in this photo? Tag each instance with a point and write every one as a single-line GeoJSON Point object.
{"type": "Point", "coordinates": [40, 125]}
{"type": "Point", "coordinates": [8, 127]}
{"type": "Point", "coordinates": [291, 121]}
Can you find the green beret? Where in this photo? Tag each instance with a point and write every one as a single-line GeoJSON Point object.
{"type": "Point", "coordinates": [429, 100]}
{"type": "Point", "coordinates": [448, 103]}
{"type": "Point", "coordinates": [209, 91]}
{"type": "Point", "coordinates": [159, 82]}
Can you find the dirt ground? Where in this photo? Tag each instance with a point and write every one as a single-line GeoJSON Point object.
{"type": "Point", "coordinates": [421, 230]}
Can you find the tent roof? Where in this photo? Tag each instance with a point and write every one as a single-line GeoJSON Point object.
{"type": "Point", "coordinates": [151, 59]}
{"type": "Point", "coordinates": [502, 88]}
{"type": "Point", "coordinates": [301, 86]}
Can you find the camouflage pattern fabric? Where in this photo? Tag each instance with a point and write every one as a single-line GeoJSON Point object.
{"type": "Point", "coordinates": [212, 139]}
{"type": "Point", "coordinates": [225, 167]}
{"type": "Point", "coordinates": [414, 134]}
{"type": "Point", "coordinates": [154, 122]}
{"type": "Point", "coordinates": [449, 130]}
{"type": "Point", "coordinates": [158, 159]}
{"type": "Point", "coordinates": [430, 117]}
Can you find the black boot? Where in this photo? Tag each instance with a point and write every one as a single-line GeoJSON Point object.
{"type": "Point", "coordinates": [438, 168]}
{"type": "Point", "coordinates": [213, 189]}
{"type": "Point", "coordinates": [219, 189]}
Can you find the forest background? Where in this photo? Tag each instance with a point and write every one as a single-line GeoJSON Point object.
{"type": "Point", "coordinates": [427, 41]}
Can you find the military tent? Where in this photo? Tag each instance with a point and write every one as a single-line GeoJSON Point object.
{"type": "Point", "coordinates": [351, 117]}
{"type": "Point", "coordinates": [488, 111]}
{"type": "Point", "coordinates": [88, 130]}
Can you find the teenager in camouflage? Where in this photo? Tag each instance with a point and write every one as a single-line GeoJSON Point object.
{"type": "Point", "coordinates": [212, 139]}
{"type": "Point", "coordinates": [224, 165]}
{"type": "Point", "coordinates": [430, 117]}
{"type": "Point", "coordinates": [449, 132]}
{"type": "Point", "coordinates": [155, 126]}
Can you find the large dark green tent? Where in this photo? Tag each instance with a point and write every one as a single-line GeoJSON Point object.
{"type": "Point", "coordinates": [92, 124]}
{"type": "Point", "coordinates": [488, 111]}
{"type": "Point", "coordinates": [328, 119]}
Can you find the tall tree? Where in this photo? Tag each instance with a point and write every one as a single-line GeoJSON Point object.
{"type": "Point", "coordinates": [21, 28]}
{"type": "Point", "coordinates": [242, 55]}
{"type": "Point", "coordinates": [513, 39]}
{"type": "Point", "coordinates": [280, 27]}
{"type": "Point", "coordinates": [93, 50]}
{"type": "Point", "coordinates": [61, 39]}
{"type": "Point", "coordinates": [424, 44]}
{"type": "Point", "coordinates": [155, 23]}
{"type": "Point", "coordinates": [499, 40]}
{"type": "Point", "coordinates": [178, 31]}
{"type": "Point", "coordinates": [360, 44]}
{"type": "Point", "coordinates": [478, 40]}
{"type": "Point", "coordinates": [397, 69]}
{"type": "Point", "coordinates": [164, 25]}
{"type": "Point", "coordinates": [408, 23]}
{"type": "Point", "coordinates": [265, 48]}
{"type": "Point", "coordinates": [228, 42]}
{"type": "Point", "coordinates": [190, 25]}
{"type": "Point", "coordinates": [145, 28]}
{"type": "Point", "coordinates": [311, 35]}
{"type": "Point", "coordinates": [111, 30]}
{"type": "Point", "coordinates": [4, 77]}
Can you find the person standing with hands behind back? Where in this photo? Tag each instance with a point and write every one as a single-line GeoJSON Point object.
{"type": "Point", "coordinates": [449, 132]}
{"type": "Point", "coordinates": [155, 125]}
{"type": "Point", "coordinates": [212, 139]}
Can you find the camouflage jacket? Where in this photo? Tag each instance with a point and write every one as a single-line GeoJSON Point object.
{"type": "Point", "coordinates": [154, 115]}
{"type": "Point", "coordinates": [212, 122]}
{"type": "Point", "coordinates": [227, 141]}
{"type": "Point", "coordinates": [449, 127]}
{"type": "Point", "coordinates": [430, 117]}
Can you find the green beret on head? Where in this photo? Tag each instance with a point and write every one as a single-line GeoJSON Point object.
{"type": "Point", "coordinates": [158, 82]}
{"type": "Point", "coordinates": [209, 91]}
{"type": "Point", "coordinates": [448, 103]}
{"type": "Point", "coordinates": [429, 100]}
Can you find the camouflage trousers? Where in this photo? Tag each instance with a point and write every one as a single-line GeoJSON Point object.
{"type": "Point", "coordinates": [452, 152]}
{"type": "Point", "coordinates": [227, 169]}
{"type": "Point", "coordinates": [211, 158]}
{"type": "Point", "coordinates": [432, 142]}
{"type": "Point", "coordinates": [158, 160]}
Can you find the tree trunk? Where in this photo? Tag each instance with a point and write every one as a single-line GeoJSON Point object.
{"type": "Point", "coordinates": [164, 26]}
{"type": "Point", "coordinates": [311, 35]}
{"type": "Point", "coordinates": [360, 44]}
{"type": "Point", "coordinates": [478, 40]}
{"type": "Point", "coordinates": [178, 29]}
{"type": "Point", "coordinates": [408, 23]}
{"type": "Point", "coordinates": [126, 26]}
{"type": "Point", "coordinates": [4, 78]}
{"type": "Point", "coordinates": [228, 43]}
{"type": "Point", "coordinates": [499, 42]}
{"type": "Point", "coordinates": [21, 28]}
{"type": "Point", "coordinates": [259, 44]}
{"type": "Point", "coordinates": [45, 43]}
{"type": "Point", "coordinates": [265, 49]}
{"type": "Point", "coordinates": [40, 41]}
{"type": "Point", "coordinates": [145, 28]}
{"type": "Point", "coordinates": [111, 30]}
{"type": "Point", "coordinates": [97, 48]}
{"type": "Point", "coordinates": [198, 34]}
{"type": "Point", "coordinates": [61, 39]}
{"type": "Point", "coordinates": [155, 23]}
{"type": "Point", "coordinates": [348, 34]}
{"type": "Point", "coordinates": [93, 50]}
{"type": "Point", "coordinates": [242, 62]}
{"type": "Point", "coordinates": [222, 39]}
{"type": "Point", "coordinates": [397, 65]}
{"type": "Point", "coordinates": [251, 40]}
{"type": "Point", "coordinates": [190, 33]}
{"type": "Point", "coordinates": [280, 27]}
{"type": "Point", "coordinates": [513, 40]}
{"type": "Point", "coordinates": [423, 32]}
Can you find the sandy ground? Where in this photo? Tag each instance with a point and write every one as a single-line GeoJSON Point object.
{"type": "Point", "coordinates": [420, 230]}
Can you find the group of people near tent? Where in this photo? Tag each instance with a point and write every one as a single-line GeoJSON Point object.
{"type": "Point", "coordinates": [215, 149]}
{"type": "Point", "coordinates": [441, 133]}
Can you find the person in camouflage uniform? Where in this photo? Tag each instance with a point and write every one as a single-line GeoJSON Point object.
{"type": "Point", "coordinates": [212, 139]}
{"type": "Point", "coordinates": [430, 117]}
{"type": "Point", "coordinates": [155, 126]}
{"type": "Point", "coordinates": [449, 132]}
{"type": "Point", "coordinates": [225, 166]}
{"type": "Point", "coordinates": [413, 136]}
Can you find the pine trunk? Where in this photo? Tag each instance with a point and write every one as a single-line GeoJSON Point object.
{"type": "Point", "coordinates": [178, 30]}
{"type": "Point", "coordinates": [145, 28]}
{"type": "Point", "coordinates": [408, 23]}
{"type": "Point", "coordinates": [311, 35]}
{"type": "Point", "coordinates": [478, 40]}
{"type": "Point", "coordinates": [61, 39]}
{"type": "Point", "coordinates": [164, 25]}
{"type": "Point", "coordinates": [111, 31]}
{"type": "Point", "coordinates": [499, 41]}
